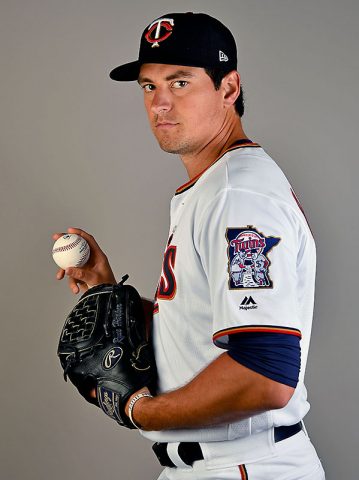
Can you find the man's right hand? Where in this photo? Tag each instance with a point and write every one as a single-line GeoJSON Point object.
{"type": "Point", "coordinates": [97, 270]}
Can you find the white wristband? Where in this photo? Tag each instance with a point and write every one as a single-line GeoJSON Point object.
{"type": "Point", "coordinates": [132, 404]}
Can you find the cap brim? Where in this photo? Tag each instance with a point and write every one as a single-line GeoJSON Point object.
{"type": "Point", "coordinates": [127, 72]}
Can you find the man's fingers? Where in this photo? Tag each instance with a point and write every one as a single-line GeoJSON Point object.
{"type": "Point", "coordinates": [89, 238]}
{"type": "Point", "coordinates": [81, 275]}
{"type": "Point", "coordinates": [76, 286]}
{"type": "Point", "coordinates": [73, 286]}
{"type": "Point", "coordinates": [76, 273]}
{"type": "Point", "coordinates": [56, 236]}
{"type": "Point", "coordinates": [60, 274]}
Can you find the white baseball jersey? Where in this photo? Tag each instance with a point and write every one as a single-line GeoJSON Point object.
{"type": "Point", "coordinates": [240, 258]}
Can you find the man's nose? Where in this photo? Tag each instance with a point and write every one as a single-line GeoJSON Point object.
{"type": "Point", "coordinates": [161, 102]}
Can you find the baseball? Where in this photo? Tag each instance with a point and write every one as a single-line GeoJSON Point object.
{"type": "Point", "coordinates": [70, 250]}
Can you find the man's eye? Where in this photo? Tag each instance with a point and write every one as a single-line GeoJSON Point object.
{"type": "Point", "coordinates": [148, 87]}
{"type": "Point", "coordinates": [179, 84]}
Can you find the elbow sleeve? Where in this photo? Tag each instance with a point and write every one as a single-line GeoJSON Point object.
{"type": "Point", "coordinates": [274, 355]}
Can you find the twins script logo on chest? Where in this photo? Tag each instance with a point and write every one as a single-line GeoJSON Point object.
{"type": "Point", "coordinates": [167, 285]}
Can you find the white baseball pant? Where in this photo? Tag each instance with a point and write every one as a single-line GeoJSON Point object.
{"type": "Point", "coordinates": [295, 459]}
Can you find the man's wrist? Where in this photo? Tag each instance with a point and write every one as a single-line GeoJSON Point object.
{"type": "Point", "coordinates": [134, 405]}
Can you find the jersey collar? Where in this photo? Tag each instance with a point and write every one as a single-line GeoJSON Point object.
{"type": "Point", "coordinates": [242, 143]}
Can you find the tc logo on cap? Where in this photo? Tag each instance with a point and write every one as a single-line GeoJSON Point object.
{"type": "Point", "coordinates": [155, 27]}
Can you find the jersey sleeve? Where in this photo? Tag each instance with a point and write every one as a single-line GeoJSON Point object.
{"type": "Point", "coordinates": [248, 244]}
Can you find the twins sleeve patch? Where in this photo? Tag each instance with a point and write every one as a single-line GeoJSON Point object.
{"type": "Point", "coordinates": [248, 262]}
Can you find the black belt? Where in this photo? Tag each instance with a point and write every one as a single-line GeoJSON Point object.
{"type": "Point", "coordinates": [191, 451]}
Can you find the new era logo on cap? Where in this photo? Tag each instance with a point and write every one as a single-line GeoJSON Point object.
{"type": "Point", "coordinates": [222, 57]}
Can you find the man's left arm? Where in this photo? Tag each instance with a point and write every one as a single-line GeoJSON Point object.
{"type": "Point", "coordinates": [225, 391]}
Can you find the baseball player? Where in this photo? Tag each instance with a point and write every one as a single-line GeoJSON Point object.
{"type": "Point", "coordinates": [233, 308]}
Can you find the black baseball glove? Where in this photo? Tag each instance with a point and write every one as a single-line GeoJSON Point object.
{"type": "Point", "coordinates": [103, 345]}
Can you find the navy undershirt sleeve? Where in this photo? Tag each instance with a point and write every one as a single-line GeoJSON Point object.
{"type": "Point", "coordinates": [274, 355]}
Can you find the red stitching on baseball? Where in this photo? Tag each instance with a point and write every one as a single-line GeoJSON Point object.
{"type": "Point", "coordinates": [67, 247]}
{"type": "Point", "coordinates": [80, 259]}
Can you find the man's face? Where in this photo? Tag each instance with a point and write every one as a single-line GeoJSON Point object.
{"type": "Point", "coordinates": [184, 109]}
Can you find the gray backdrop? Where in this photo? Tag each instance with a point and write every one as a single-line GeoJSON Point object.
{"type": "Point", "coordinates": [76, 151]}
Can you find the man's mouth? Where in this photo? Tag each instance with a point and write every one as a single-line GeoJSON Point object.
{"type": "Point", "coordinates": [165, 124]}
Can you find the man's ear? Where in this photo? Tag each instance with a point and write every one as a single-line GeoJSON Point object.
{"type": "Point", "coordinates": [231, 86]}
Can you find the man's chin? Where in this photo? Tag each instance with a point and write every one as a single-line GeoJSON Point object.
{"type": "Point", "coordinates": [170, 150]}
{"type": "Point", "coordinates": [174, 147]}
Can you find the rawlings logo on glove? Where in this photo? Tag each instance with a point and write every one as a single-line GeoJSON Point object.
{"type": "Point", "coordinates": [103, 346]}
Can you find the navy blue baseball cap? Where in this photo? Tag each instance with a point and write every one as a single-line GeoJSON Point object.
{"type": "Point", "coordinates": [188, 39]}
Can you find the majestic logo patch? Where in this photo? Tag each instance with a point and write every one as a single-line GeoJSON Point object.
{"type": "Point", "coordinates": [154, 34]}
{"type": "Point", "coordinates": [248, 304]}
{"type": "Point", "coordinates": [248, 263]}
